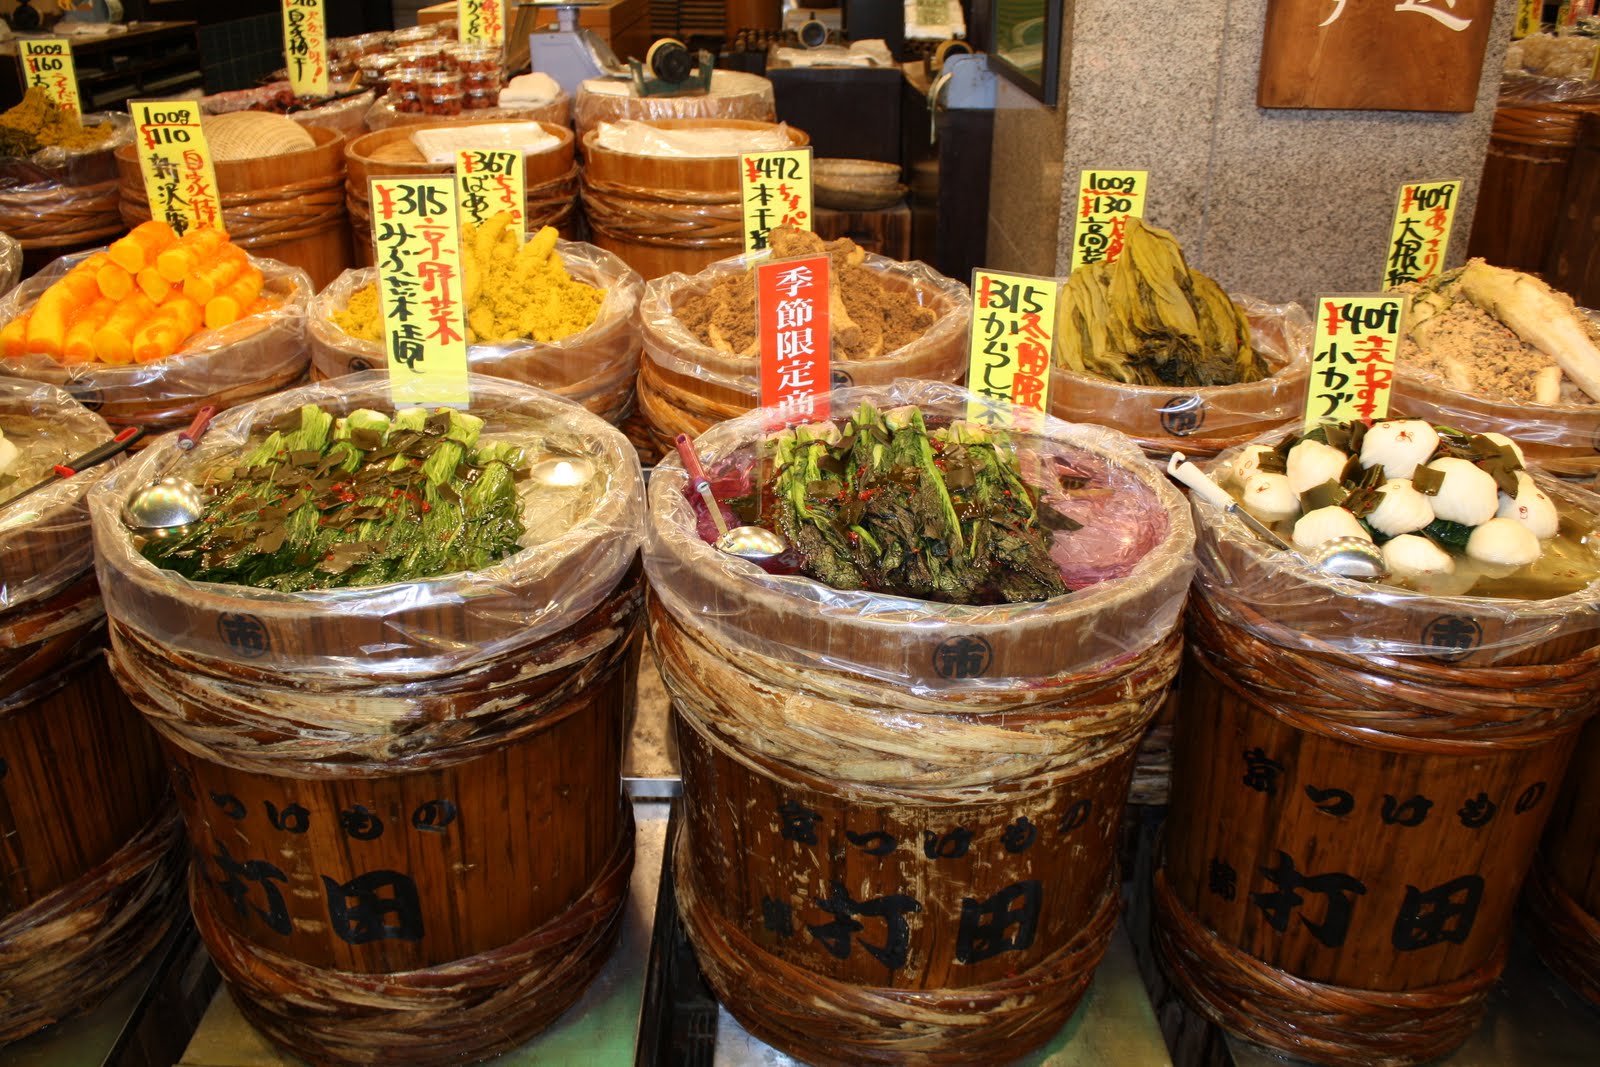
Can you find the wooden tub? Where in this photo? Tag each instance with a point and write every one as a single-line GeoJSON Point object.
{"type": "Point", "coordinates": [59, 208]}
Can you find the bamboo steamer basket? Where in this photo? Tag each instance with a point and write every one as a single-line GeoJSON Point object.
{"type": "Point", "coordinates": [551, 176]}
{"type": "Point", "coordinates": [89, 872]}
{"type": "Point", "coordinates": [1360, 780]}
{"type": "Point", "coordinates": [364, 772]}
{"type": "Point", "coordinates": [1563, 890]}
{"type": "Point", "coordinates": [1561, 438]}
{"type": "Point", "coordinates": [663, 214]}
{"type": "Point", "coordinates": [1202, 422]}
{"type": "Point", "coordinates": [289, 207]}
{"type": "Point", "coordinates": [866, 778]}
{"type": "Point", "coordinates": [56, 208]}
{"type": "Point", "coordinates": [733, 94]}
{"type": "Point", "coordinates": [686, 386]}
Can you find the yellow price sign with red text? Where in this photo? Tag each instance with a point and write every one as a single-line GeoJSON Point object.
{"type": "Point", "coordinates": [47, 66]}
{"type": "Point", "coordinates": [421, 289]}
{"type": "Point", "coordinates": [776, 190]}
{"type": "Point", "coordinates": [1420, 237]}
{"type": "Point", "coordinates": [481, 21]}
{"type": "Point", "coordinates": [1105, 200]}
{"type": "Point", "coordinates": [1528, 18]}
{"type": "Point", "coordinates": [179, 178]}
{"type": "Point", "coordinates": [305, 46]}
{"type": "Point", "coordinates": [1352, 358]}
{"type": "Point", "coordinates": [1013, 316]}
{"type": "Point", "coordinates": [489, 182]}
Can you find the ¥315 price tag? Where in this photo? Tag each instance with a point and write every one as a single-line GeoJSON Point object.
{"type": "Point", "coordinates": [1352, 358]}
{"type": "Point", "coordinates": [481, 21]}
{"type": "Point", "coordinates": [488, 183]}
{"type": "Point", "coordinates": [1105, 200]}
{"type": "Point", "coordinates": [420, 287]}
{"type": "Point", "coordinates": [1420, 236]}
{"type": "Point", "coordinates": [796, 347]}
{"type": "Point", "coordinates": [1013, 323]}
{"type": "Point", "coordinates": [776, 188]}
{"type": "Point", "coordinates": [305, 47]}
{"type": "Point", "coordinates": [179, 180]}
{"type": "Point", "coordinates": [47, 66]}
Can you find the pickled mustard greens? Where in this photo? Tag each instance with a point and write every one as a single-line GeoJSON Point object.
{"type": "Point", "coordinates": [1147, 319]}
{"type": "Point", "coordinates": [887, 506]}
{"type": "Point", "coordinates": [323, 503]}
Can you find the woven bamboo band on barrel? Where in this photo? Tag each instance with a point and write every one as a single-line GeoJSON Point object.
{"type": "Point", "coordinates": [678, 218]}
{"type": "Point", "coordinates": [1313, 1021]}
{"type": "Point", "coordinates": [269, 216]}
{"type": "Point", "coordinates": [65, 951]}
{"type": "Point", "coordinates": [334, 728]}
{"type": "Point", "coordinates": [54, 215]}
{"type": "Point", "coordinates": [1553, 125]}
{"type": "Point", "coordinates": [792, 1007]}
{"type": "Point", "coordinates": [927, 751]}
{"type": "Point", "coordinates": [1426, 706]}
{"type": "Point", "coordinates": [1565, 935]}
{"type": "Point", "coordinates": [460, 1012]}
{"type": "Point", "coordinates": [182, 410]}
{"type": "Point", "coordinates": [43, 647]}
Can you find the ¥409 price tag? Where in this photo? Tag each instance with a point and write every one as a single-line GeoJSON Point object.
{"type": "Point", "coordinates": [1420, 237]}
{"type": "Point", "coordinates": [179, 180]}
{"type": "Point", "coordinates": [47, 66]}
{"type": "Point", "coordinates": [1352, 361]}
{"type": "Point", "coordinates": [421, 289]}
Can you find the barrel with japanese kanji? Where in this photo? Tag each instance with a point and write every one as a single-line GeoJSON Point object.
{"type": "Point", "coordinates": [1563, 890]}
{"type": "Point", "coordinates": [1360, 781]}
{"type": "Point", "coordinates": [899, 842]}
{"type": "Point", "coordinates": [403, 803]}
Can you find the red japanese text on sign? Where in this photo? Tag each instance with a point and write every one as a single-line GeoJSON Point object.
{"type": "Point", "coordinates": [47, 66]}
{"type": "Point", "coordinates": [1420, 237]}
{"type": "Point", "coordinates": [305, 46]}
{"type": "Point", "coordinates": [1013, 319]}
{"type": "Point", "coordinates": [179, 179]}
{"type": "Point", "coordinates": [489, 182]}
{"type": "Point", "coordinates": [1105, 200]}
{"type": "Point", "coordinates": [481, 21]}
{"type": "Point", "coordinates": [418, 249]}
{"type": "Point", "coordinates": [796, 347]}
{"type": "Point", "coordinates": [1352, 364]}
{"type": "Point", "coordinates": [776, 191]}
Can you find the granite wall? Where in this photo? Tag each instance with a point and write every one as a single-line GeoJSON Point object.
{"type": "Point", "coordinates": [1281, 204]}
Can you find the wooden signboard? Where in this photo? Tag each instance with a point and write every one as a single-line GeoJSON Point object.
{"type": "Point", "coordinates": [1383, 55]}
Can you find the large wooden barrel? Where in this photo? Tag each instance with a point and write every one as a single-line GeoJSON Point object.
{"type": "Point", "coordinates": [901, 817]}
{"type": "Point", "coordinates": [1524, 176]}
{"type": "Point", "coordinates": [663, 214]}
{"type": "Point", "coordinates": [289, 207]}
{"type": "Point", "coordinates": [57, 208]}
{"type": "Point", "coordinates": [1202, 422]}
{"type": "Point", "coordinates": [552, 179]}
{"type": "Point", "coordinates": [92, 847]}
{"type": "Point", "coordinates": [346, 116]}
{"type": "Point", "coordinates": [1563, 891]}
{"type": "Point", "coordinates": [403, 802]}
{"type": "Point", "coordinates": [1360, 780]}
{"type": "Point", "coordinates": [733, 95]}
{"type": "Point", "coordinates": [382, 115]}
{"type": "Point", "coordinates": [1561, 438]}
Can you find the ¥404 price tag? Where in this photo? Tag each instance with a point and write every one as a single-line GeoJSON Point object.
{"type": "Point", "coordinates": [47, 66]}
{"type": "Point", "coordinates": [481, 21]}
{"type": "Point", "coordinates": [421, 289]}
{"type": "Point", "coordinates": [796, 347]}
{"type": "Point", "coordinates": [1013, 319]}
{"type": "Point", "coordinates": [305, 46]}
{"type": "Point", "coordinates": [1420, 237]}
{"type": "Point", "coordinates": [179, 180]}
{"type": "Point", "coordinates": [1105, 200]}
{"type": "Point", "coordinates": [1352, 361]}
{"type": "Point", "coordinates": [776, 189]}
{"type": "Point", "coordinates": [488, 183]}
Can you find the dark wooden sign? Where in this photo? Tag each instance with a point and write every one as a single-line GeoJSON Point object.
{"type": "Point", "coordinates": [1388, 55]}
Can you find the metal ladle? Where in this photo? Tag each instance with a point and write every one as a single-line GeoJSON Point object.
{"type": "Point", "coordinates": [168, 506]}
{"type": "Point", "coordinates": [754, 543]}
{"type": "Point", "coordinates": [1347, 557]}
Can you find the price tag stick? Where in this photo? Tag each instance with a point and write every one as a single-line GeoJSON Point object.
{"type": "Point", "coordinates": [179, 180]}
{"type": "Point", "coordinates": [1352, 361]}
{"type": "Point", "coordinates": [1419, 239]}
{"type": "Point", "coordinates": [776, 190]}
{"type": "Point", "coordinates": [1105, 200]}
{"type": "Point", "coordinates": [47, 66]}
{"type": "Point", "coordinates": [1012, 338]}
{"type": "Point", "coordinates": [421, 289]}
{"type": "Point", "coordinates": [796, 347]}
{"type": "Point", "coordinates": [489, 182]}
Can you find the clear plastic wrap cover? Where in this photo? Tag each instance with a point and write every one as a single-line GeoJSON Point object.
{"type": "Point", "coordinates": [44, 540]}
{"type": "Point", "coordinates": [74, 166]}
{"type": "Point", "coordinates": [1297, 606]}
{"type": "Point", "coordinates": [590, 365]}
{"type": "Point", "coordinates": [898, 640]}
{"type": "Point", "coordinates": [381, 115]}
{"type": "Point", "coordinates": [1521, 89]}
{"type": "Point", "coordinates": [10, 262]}
{"type": "Point", "coordinates": [940, 354]}
{"type": "Point", "coordinates": [348, 115]}
{"type": "Point", "coordinates": [403, 630]}
{"type": "Point", "coordinates": [1164, 419]}
{"type": "Point", "coordinates": [733, 95]}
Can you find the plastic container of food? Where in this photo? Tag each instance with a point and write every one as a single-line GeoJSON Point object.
{"type": "Point", "coordinates": [479, 98]}
{"type": "Point", "coordinates": [441, 93]}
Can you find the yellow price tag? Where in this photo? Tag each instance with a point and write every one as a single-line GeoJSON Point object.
{"type": "Point", "coordinates": [482, 21]}
{"type": "Point", "coordinates": [1105, 200]}
{"type": "Point", "coordinates": [488, 183]}
{"type": "Point", "coordinates": [1420, 237]}
{"type": "Point", "coordinates": [1013, 316]}
{"type": "Point", "coordinates": [47, 65]}
{"type": "Point", "coordinates": [776, 189]}
{"type": "Point", "coordinates": [1352, 358]}
{"type": "Point", "coordinates": [179, 180]}
{"type": "Point", "coordinates": [420, 287]}
{"type": "Point", "coordinates": [1528, 12]}
{"type": "Point", "coordinates": [305, 47]}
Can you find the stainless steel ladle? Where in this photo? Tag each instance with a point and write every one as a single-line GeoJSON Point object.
{"type": "Point", "coordinates": [754, 543]}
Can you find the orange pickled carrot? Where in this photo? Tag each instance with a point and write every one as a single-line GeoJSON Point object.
{"type": "Point", "coordinates": [185, 257]}
{"type": "Point", "coordinates": [113, 342]}
{"type": "Point", "coordinates": [14, 337]}
{"type": "Point", "coordinates": [114, 281]}
{"type": "Point", "coordinates": [79, 345]}
{"type": "Point", "coordinates": [141, 246]}
{"type": "Point", "coordinates": [215, 274]}
{"type": "Point", "coordinates": [165, 332]}
{"type": "Point", "coordinates": [229, 305]}
{"type": "Point", "coordinates": [154, 286]}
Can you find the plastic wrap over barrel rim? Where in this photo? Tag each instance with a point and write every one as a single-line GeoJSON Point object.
{"type": "Point", "coordinates": [570, 575]}
{"type": "Point", "coordinates": [707, 590]}
{"type": "Point", "coordinates": [1348, 610]}
{"type": "Point", "coordinates": [10, 262]}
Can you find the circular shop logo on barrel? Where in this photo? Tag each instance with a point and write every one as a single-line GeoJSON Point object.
{"type": "Point", "coordinates": [357, 365]}
{"type": "Point", "coordinates": [246, 635]}
{"type": "Point", "coordinates": [87, 395]}
{"type": "Point", "coordinates": [1183, 415]}
{"type": "Point", "coordinates": [962, 657]}
{"type": "Point", "coordinates": [1454, 636]}
{"type": "Point", "coordinates": [838, 379]}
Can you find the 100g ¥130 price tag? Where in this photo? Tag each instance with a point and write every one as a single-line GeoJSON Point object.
{"type": "Point", "coordinates": [179, 180]}
{"type": "Point", "coordinates": [1105, 200]}
{"type": "Point", "coordinates": [421, 289]}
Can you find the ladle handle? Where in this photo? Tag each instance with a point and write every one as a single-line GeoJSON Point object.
{"type": "Point", "coordinates": [1196, 479]}
{"type": "Point", "coordinates": [202, 419]}
{"type": "Point", "coordinates": [119, 443]}
{"type": "Point", "coordinates": [691, 460]}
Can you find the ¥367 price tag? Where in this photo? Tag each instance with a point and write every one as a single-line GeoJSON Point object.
{"type": "Point", "coordinates": [1352, 358]}
{"type": "Point", "coordinates": [47, 66]}
{"type": "Point", "coordinates": [421, 289]}
{"type": "Point", "coordinates": [305, 46]}
{"type": "Point", "coordinates": [1013, 323]}
{"type": "Point", "coordinates": [481, 21]}
{"type": "Point", "coordinates": [488, 183]}
{"type": "Point", "coordinates": [776, 187]}
{"type": "Point", "coordinates": [1420, 236]}
{"type": "Point", "coordinates": [179, 180]}
{"type": "Point", "coordinates": [1105, 200]}
{"type": "Point", "coordinates": [796, 347]}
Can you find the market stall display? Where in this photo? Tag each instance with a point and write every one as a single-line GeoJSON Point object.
{"type": "Point", "coordinates": [955, 771]}
{"type": "Point", "coordinates": [346, 113]}
{"type": "Point", "coordinates": [423, 92]}
{"type": "Point", "coordinates": [89, 877]}
{"type": "Point", "coordinates": [1362, 771]}
{"type": "Point", "coordinates": [732, 94]}
{"type": "Point", "coordinates": [378, 755]}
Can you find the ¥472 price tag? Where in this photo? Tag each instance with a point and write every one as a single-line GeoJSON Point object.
{"type": "Point", "coordinates": [796, 347]}
{"type": "Point", "coordinates": [1105, 200]}
{"type": "Point", "coordinates": [776, 189]}
{"type": "Point", "coordinates": [1420, 236]}
{"type": "Point", "coordinates": [420, 288]}
{"type": "Point", "coordinates": [1013, 319]}
{"type": "Point", "coordinates": [481, 21]}
{"type": "Point", "coordinates": [488, 183]}
{"type": "Point", "coordinates": [305, 46]}
{"type": "Point", "coordinates": [179, 180]}
{"type": "Point", "coordinates": [1352, 358]}
{"type": "Point", "coordinates": [47, 66]}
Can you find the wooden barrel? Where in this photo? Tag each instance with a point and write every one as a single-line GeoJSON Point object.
{"type": "Point", "coordinates": [1202, 422]}
{"type": "Point", "coordinates": [1561, 438]}
{"type": "Point", "coordinates": [289, 207]}
{"type": "Point", "coordinates": [663, 214]}
{"type": "Point", "coordinates": [92, 853]}
{"type": "Point", "coordinates": [686, 386]}
{"type": "Point", "coordinates": [733, 95]}
{"type": "Point", "coordinates": [382, 115]}
{"type": "Point", "coordinates": [404, 803]}
{"type": "Point", "coordinates": [251, 358]}
{"type": "Point", "coordinates": [1563, 891]}
{"type": "Point", "coordinates": [1524, 176]}
{"type": "Point", "coordinates": [899, 842]}
{"type": "Point", "coordinates": [595, 367]}
{"type": "Point", "coordinates": [61, 208]}
{"type": "Point", "coordinates": [552, 179]}
{"type": "Point", "coordinates": [1360, 780]}
{"type": "Point", "coordinates": [346, 116]}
